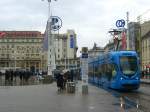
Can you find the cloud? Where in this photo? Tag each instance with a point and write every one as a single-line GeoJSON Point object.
{"type": "Point", "coordinates": [91, 19]}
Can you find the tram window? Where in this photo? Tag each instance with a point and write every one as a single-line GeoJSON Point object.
{"type": "Point", "coordinates": [103, 69]}
{"type": "Point", "coordinates": [128, 65]}
{"type": "Point", "coordinates": [114, 70]}
{"type": "Point", "coordinates": [96, 70]}
{"type": "Point", "coordinates": [109, 72]}
{"type": "Point", "coordinates": [90, 70]}
{"type": "Point", "coordinates": [99, 70]}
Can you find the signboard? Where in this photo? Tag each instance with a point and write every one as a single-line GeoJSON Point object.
{"type": "Point", "coordinates": [84, 66]}
{"type": "Point", "coordinates": [56, 23]}
{"type": "Point", "coordinates": [84, 55]}
{"type": "Point", "coordinates": [71, 41]}
{"type": "Point", "coordinates": [84, 52]}
{"type": "Point", "coordinates": [120, 23]}
{"type": "Point", "coordinates": [84, 70]}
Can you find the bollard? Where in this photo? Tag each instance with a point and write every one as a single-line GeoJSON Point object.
{"type": "Point", "coordinates": [70, 87]}
{"type": "Point", "coordinates": [84, 89]}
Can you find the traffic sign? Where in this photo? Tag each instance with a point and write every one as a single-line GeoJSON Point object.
{"type": "Point", "coordinates": [120, 23]}
{"type": "Point", "coordinates": [56, 23]}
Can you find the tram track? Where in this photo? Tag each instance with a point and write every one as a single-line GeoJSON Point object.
{"type": "Point", "coordinates": [134, 101]}
{"type": "Point", "coordinates": [138, 100]}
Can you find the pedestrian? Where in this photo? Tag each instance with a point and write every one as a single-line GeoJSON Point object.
{"type": "Point", "coordinates": [71, 75]}
{"type": "Point", "coordinates": [65, 77]}
{"type": "Point", "coordinates": [11, 75]}
{"type": "Point", "coordinates": [60, 81]}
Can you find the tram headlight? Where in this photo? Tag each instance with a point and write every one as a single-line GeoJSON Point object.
{"type": "Point", "coordinates": [137, 78]}
{"type": "Point", "coordinates": [121, 78]}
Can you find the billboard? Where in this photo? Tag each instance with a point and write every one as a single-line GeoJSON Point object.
{"type": "Point", "coordinates": [71, 41]}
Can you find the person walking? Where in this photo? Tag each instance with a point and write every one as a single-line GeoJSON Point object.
{"type": "Point", "coordinates": [60, 81]}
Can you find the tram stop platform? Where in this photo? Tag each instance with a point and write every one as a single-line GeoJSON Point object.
{"type": "Point", "coordinates": [47, 98]}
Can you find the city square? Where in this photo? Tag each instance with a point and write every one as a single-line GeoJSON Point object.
{"type": "Point", "coordinates": [79, 56]}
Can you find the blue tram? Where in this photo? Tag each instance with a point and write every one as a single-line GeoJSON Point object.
{"type": "Point", "coordinates": [117, 70]}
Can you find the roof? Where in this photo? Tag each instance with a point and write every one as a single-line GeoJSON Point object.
{"type": "Point", "coordinates": [22, 34]}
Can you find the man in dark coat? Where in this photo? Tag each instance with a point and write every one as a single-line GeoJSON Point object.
{"type": "Point", "coordinates": [71, 75]}
{"type": "Point", "coordinates": [60, 81]}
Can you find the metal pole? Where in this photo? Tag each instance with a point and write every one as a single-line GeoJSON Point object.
{"type": "Point", "coordinates": [51, 53]}
{"type": "Point", "coordinates": [128, 31]}
{"type": "Point", "coordinates": [49, 9]}
{"type": "Point", "coordinates": [51, 48]}
{"type": "Point", "coordinates": [49, 38]}
{"type": "Point", "coordinates": [65, 62]}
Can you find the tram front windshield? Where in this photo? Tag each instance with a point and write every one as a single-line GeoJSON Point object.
{"type": "Point", "coordinates": [128, 65]}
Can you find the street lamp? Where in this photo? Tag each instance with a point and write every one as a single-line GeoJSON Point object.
{"type": "Point", "coordinates": [51, 52]}
{"type": "Point", "coordinates": [49, 8]}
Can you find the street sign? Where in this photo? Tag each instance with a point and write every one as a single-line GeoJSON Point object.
{"type": "Point", "coordinates": [120, 23]}
{"type": "Point", "coordinates": [84, 69]}
{"type": "Point", "coordinates": [71, 41]}
{"type": "Point", "coordinates": [84, 55]}
{"type": "Point", "coordinates": [56, 23]}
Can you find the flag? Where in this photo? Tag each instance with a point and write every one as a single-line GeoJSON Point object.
{"type": "Point", "coordinates": [2, 34]}
{"type": "Point", "coordinates": [124, 44]}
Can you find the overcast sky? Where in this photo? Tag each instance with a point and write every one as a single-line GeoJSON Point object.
{"type": "Point", "coordinates": [91, 19]}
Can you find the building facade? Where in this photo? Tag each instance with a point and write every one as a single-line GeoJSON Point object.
{"type": "Point", "coordinates": [95, 51]}
{"type": "Point", "coordinates": [22, 50]}
{"type": "Point", "coordinates": [145, 35]}
{"type": "Point", "coordinates": [109, 46]}
{"type": "Point", "coordinates": [65, 48]}
{"type": "Point", "coordinates": [134, 36]}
